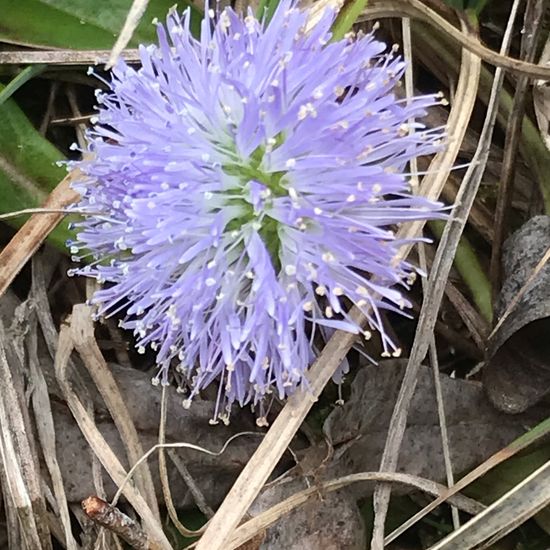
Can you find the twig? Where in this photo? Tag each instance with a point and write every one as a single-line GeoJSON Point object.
{"type": "Point", "coordinates": [29, 238]}
{"type": "Point", "coordinates": [432, 299]}
{"type": "Point", "coordinates": [114, 520]}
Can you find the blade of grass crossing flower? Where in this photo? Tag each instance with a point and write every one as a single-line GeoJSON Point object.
{"type": "Point", "coordinates": [271, 6]}
{"type": "Point", "coordinates": [347, 17]}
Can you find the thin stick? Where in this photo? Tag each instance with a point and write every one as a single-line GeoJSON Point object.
{"type": "Point", "coordinates": [114, 520]}
{"type": "Point", "coordinates": [132, 21]}
{"type": "Point", "coordinates": [409, 89]}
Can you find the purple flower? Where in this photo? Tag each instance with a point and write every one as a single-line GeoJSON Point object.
{"type": "Point", "coordinates": [243, 191]}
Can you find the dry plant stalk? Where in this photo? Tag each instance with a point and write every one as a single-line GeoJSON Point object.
{"type": "Point", "coordinates": [511, 510]}
{"type": "Point", "coordinates": [133, 19]}
{"type": "Point", "coordinates": [86, 345]}
{"type": "Point", "coordinates": [20, 463]}
{"type": "Point", "coordinates": [45, 429]}
{"type": "Point", "coordinates": [98, 443]}
{"type": "Point", "coordinates": [114, 520]}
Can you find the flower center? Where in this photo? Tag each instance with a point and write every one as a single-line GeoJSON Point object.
{"type": "Point", "coordinates": [257, 189]}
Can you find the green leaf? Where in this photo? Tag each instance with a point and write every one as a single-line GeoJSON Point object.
{"type": "Point", "coordinates": [346, 18]}
{"type": "Point", "coordinates": [28, 169]}
{"type": "Point", "coordinates": [79, 24]}
{"type": "Point", "coordinates": [24, 76]}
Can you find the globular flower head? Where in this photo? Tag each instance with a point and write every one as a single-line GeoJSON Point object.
{"type": "Point", "coordinates": [243, 190]}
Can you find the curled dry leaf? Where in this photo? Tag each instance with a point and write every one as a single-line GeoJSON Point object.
{"type": "Point", "coordinates": [517, 374]}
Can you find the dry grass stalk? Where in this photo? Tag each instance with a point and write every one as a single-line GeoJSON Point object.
{"type": "Point", "coordinates": [23, 480]}
{"type": "Point", "coordinates": [133, 19]}
{"type": "Point", "coordinates": [432, 300]}
{"type": "Point", "coordinates": [262, 521]}
{"type": "Point", "coordinates": [511, 510]}
{"type": "Point", "coordinates": [409, 91]}
{"type": "Point", "coordinates": [97, 442]}
{"type": "Point", "coordinates": [86, 345]}
{"type": "Point", "coordinates": [45, 428]}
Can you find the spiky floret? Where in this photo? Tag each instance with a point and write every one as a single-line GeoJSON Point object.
{"type": "Point", "coordinates": [241, 186]}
